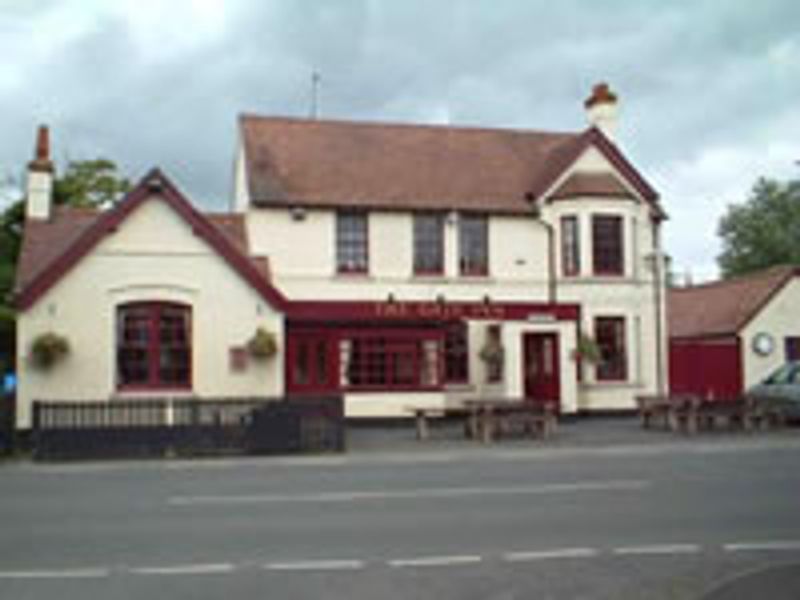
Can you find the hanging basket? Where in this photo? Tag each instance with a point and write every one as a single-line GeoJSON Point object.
{"type": "Point", "coordinates": [262, 345]}
{"type": "Point", "coordinates": [48, 349]}
{"type": "Point", "coordinates": [587, 350]}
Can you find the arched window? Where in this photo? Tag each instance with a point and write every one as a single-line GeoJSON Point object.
{"type": "Point", "coordinates": [154, 346]}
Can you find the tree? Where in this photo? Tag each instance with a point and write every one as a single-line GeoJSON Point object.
{"type": "Point", "coordinates": [762, 232]}
{"type": "Point", "coordinates": [87, 183]}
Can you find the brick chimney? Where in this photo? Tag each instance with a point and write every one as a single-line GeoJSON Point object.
{"type": "Point", "coordinates": [39, 196]}
{"type": "Point", "coordinates": [601, 109]}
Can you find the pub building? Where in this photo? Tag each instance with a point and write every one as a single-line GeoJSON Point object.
{"type": "Point", "coordinates": [396, 264]}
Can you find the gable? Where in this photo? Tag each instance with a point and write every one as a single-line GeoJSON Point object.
{"type": "Point", "coordinates": [153, 209]}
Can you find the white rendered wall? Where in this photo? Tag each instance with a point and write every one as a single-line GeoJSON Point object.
{"type": "Point", "coordinates": [153, 257]}
{"type": "Point", "coordinates": [780, 318]}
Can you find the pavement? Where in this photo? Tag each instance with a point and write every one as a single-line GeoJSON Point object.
{"type": "Point", "coordinates": [605, 510]}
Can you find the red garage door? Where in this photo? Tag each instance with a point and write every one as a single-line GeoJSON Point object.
{"type": "Point", "coordinates": [709, 367]}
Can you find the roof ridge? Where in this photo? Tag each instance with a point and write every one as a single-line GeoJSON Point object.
{"type": "Point", "coordinates": [409, 125]}
{"type": "Point", "coordinates": [773, 271]}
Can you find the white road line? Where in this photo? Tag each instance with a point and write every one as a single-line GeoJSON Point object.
{"type": "Point", "coordinates": [756, 546]}
{"type": "Point", "coordinates": [433, 493]}
{"type": "Point", "coordinates": [56, 574]}
{"type": "Point", "coordinates": [196, 569]}
{"type": "Point", "coordinates": [434, 561]}
{"type": "Point", "coordinates": [316, 565]}
{"type": "Point", "coordinates": [549, 554]}
{"type": "Point", "coordinates": [657, 549]}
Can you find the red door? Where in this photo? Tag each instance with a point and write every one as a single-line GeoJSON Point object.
{"type": "Point", "coordinates": [541, 369]}
{"type": "Point", "coordinates": [312, 364]}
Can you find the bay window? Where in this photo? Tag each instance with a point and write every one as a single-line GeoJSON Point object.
{"type": "Point", "coordinates": [607, 245]}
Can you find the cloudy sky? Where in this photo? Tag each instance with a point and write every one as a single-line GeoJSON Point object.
{"type": "Point", "coordinates": [710, 90]}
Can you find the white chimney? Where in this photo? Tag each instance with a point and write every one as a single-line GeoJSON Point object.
{"type": "Point", "coordinates": [601, 110]}
{"type": "Point", "coordinates": [39, 196]}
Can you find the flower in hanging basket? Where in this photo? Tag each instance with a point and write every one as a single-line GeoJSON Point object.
{"type": "Point", "coordinates": [587, 350]}
{"type": "Point", "coordinates": [263, 344]}
{"type": "Point", "coordinates": [492, 353]}
{"type": "Point", "coordinates": [48, 349]}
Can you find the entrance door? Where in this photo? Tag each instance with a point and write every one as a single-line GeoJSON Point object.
{"type": "Point", "coordinates": [311, 365]}
{"type": "Point", "coordinates": [541, 370]}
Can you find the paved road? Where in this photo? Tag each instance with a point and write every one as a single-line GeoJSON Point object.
{"type": "Point", "coordinates": [626, 522]}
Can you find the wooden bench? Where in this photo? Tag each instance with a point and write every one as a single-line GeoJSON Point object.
{"type": "Point", "coordinates": [493, 418]}
{"type": "Point", "coordinates": [653, 408]}
{"type": "Point", "coordinates": [423, 415]}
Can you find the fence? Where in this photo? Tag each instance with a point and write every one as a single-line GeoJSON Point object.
{"type": "Point", "coordinates": [166, 427]}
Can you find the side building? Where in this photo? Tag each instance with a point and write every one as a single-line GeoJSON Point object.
{"type": "Point", "coordinates": [395, 264]}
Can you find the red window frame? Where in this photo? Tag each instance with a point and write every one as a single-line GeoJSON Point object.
{"type": "Point", "coordinates": [610, 337]}
{"type": "Point", "coordinates": [608, 246]}
{"type": "Point", "coordinates": [456, 352]}
{"type": "Point", "coordinates": [792, 348]}
{"type": "Point", "coordinates": [428, 244]}
{"type": "Point", "coordinates": [570, 246]}
{"type": "Point", "coordinates": [150, 336]}
{"type": "Point", "coordinates": [473, 245]}
{"type": "Point", "coordinates": [390, 359]}
{"type": "Point", "coordinates": [352, 242]}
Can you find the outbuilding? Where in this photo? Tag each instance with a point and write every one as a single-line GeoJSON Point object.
{"type": "Point", "coordinates": [728, 335]}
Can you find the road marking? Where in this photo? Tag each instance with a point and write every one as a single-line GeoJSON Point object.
{"type": "Point", "coordinates": [197, 569]}
{"type": "Point", "coordinates": [435, 561]}
{"type": "Point", "coordinates": [431, 493]}
{"type": "Point", "coordinates": [316, 565]}
{"type": "Point", "coordinates": [756, 546]}
{"type": "Point", "coordinates": [56, 574]}
{"type": "Point", "coordinates": [657, 549]}
{"type": "Point", "coordinates": [549, 554]}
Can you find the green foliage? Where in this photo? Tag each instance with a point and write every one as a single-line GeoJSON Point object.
{"type": "Point", "coordinates": [263, 344]}
{"type": "Point", "coordinates": [48, 349]}
{"type": "Point", "coordinates": [762, 232]}
{"type": "Point", "coordinates": [588, 349]}
{"type": "Point", "coordinates": [86, 183]}
{"type": "Point", "coordinates": [90, 183]}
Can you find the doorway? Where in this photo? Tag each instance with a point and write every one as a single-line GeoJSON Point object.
{"type": "Point", "coordinates": [541, 369]}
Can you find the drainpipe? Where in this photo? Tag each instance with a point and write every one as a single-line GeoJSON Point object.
{"type": "Point", "coordinates": [536, 213]}
{"type": "Point", "coordinates": [658, 298]}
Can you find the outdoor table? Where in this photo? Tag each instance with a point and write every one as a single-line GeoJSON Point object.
{"type": "Point", "coordinates": [490, 416]}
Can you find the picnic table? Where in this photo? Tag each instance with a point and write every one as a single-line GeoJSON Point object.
{"type": "Point", "coordinates": [691, 413]}
{"type": "Point", "coordinates": [485, 419]}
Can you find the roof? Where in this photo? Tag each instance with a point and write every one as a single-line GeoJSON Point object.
{"type": "Point", "coordinates": [723, 307]}
{"type": "Point", "coordinates": [51, 248]}
{"type": "Point", "coordinates": [326, 163]}
{"type": "Point", "coordinates": [590, 184]}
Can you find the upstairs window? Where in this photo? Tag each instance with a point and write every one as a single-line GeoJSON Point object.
{"type": "Point", "coordinates": [154, 348]}
{"type": "Point", "coordinates": [428, 244]}
{"type": "Point", "coordinates": [473, 245]}
{"type": "Point", "coordinates": [351, 242]}
{"type": "Point", "coordinates": [607, 245]}
{"type": "Point", "coordinates": [610, 338]}
{"type": "Point", "coordinates": [570, 246]}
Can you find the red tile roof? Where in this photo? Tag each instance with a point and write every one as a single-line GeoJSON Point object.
{"type": "Point", "coordinates": [394, 166]}
{"type": "Point", "coordinates": [723, 307]}
{"type": "Point", "coordinates": [51, 248]}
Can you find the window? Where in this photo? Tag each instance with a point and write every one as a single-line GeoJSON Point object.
{"type": "Point", "coordinates": [792, 348]}
{"type": "Point", "coordinates": [428, 244]}
{"type": "Point", "coordinates": [154, 346]}
{"type": "Point", "coordinates": [456, 353]}
{"type": "Point", "coordinates": [388, 359]}
{"type": "Point", "coordinates": [473, 250]}
{"type": "Point", "coordinates": [610, 338]}
{"type": "Point", "coordinates": [607, 245]}
{"type": "Point", "coordinates": [494, 354]}
{"type": "Point", "coordinates": [570, 246]}
{"type": "Point", "coordinates": [351, 242]}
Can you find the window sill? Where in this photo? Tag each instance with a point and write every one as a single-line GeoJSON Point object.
{"type": "Point", "coordinates": [151, 392]}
